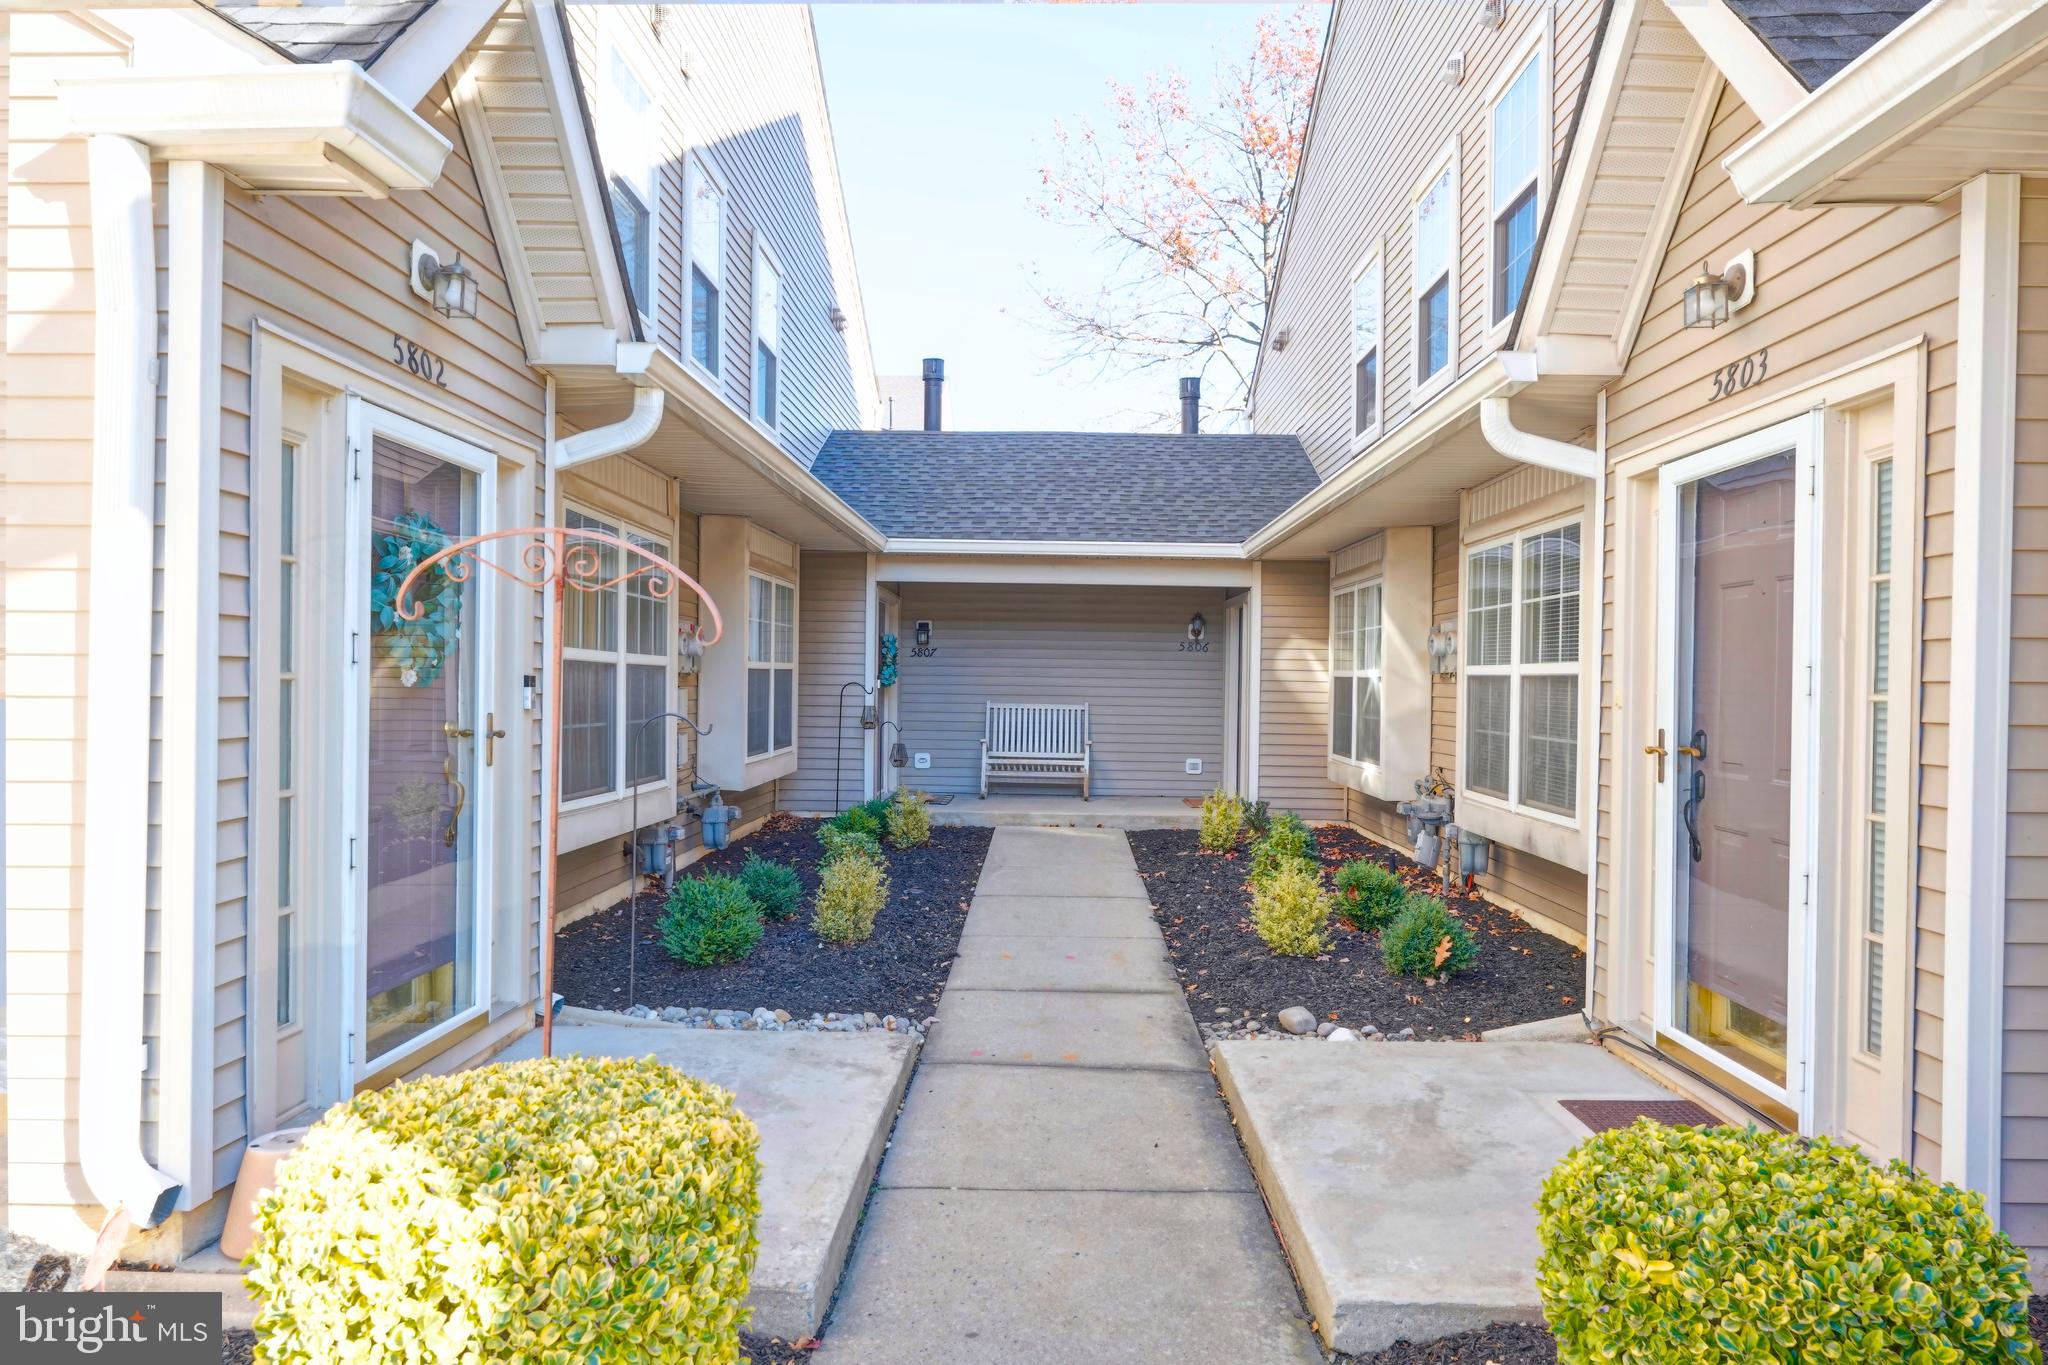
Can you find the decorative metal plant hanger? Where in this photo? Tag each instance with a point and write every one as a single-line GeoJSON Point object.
{"type": "Point", "coordinates": [556, 560]}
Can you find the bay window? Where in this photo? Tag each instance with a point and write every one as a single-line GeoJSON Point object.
{"type": "Point", "coordinates": [615, 669]}
{"type": "Point", "coordinates": [1521, 647]}
{"type": "Point", "coordinates": [771, 666]}
{"type": "Point", "coordinates": [706, 231]}
{"type": "Point", "coordinates": [1434, 285]}
{"type": "Point", "coordinates": [1357, 658]}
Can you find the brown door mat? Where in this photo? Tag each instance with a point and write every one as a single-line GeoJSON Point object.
{"type": "Point", "coordinates": [1194, 801]}
{"type": "Point", "coordinates": [1601, 1115]}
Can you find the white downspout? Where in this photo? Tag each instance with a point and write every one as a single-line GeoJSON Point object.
{"type": "Point", "coordinates": [629, 431]}
{"type": "Point", "coordinates": [112, 1055]}
{"type": "Point", "coordinates": [1525, 447]}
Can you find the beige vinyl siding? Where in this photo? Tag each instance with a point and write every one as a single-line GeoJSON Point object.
{"type": "Point", "coordinates": [1294, 689]}
{"type": "Point", "coordinates": [831, 651]}
{"type": "Point", "coordinates": [2024, 1179]}
{"type": "Point", "coordinates": [1382, 72]}
{"type": "Point", "coordinates": [1151, 705]}
{"type": "Point", "coordinates": [329, 270]}
{"type": "Point", "coordinates": [741, 84]}
{"type": "Point", "coordinates": [1834, 286]}
{"type": "Point", "coordinates": [44, 557]}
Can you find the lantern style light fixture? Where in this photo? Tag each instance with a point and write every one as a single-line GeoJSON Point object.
{"type": "Point", "coordinates": [1196, 626]}
{"type": "Point", "coordinates": [1711, 299]}
{"type": "Point", "coordinates": [924, 634]}
{"type": "Point", "coordinates": [450, 288]}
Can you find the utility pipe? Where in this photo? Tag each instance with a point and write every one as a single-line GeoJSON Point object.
{"type": "Point", "coordinates": [112, 1054]}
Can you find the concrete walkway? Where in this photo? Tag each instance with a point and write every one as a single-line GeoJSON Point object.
{"type": "Point", "coordinates": [1064, 1184]}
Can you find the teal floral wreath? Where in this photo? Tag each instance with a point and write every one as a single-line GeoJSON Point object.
{"type": "Point", "coordinates": [418, 648]}
{"type": "Point", "coordinates": [887, 676]}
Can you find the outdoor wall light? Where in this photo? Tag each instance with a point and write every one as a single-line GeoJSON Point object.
{"type": "Point", "coordinates": [1712, 299]}
{"type": "Point", "coordinates": [924, 634]}
{"type": "Point", "coordinates": [450, 288]}
{"type": "Point", "coordinates": [1282, 337]}
{"type": "Point", "coordinates": [1196, 625]}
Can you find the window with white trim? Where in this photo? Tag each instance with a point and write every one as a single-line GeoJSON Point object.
{"type": "Point", "coordinates": [771, 666]}
{"type": "Point", "coordinates": [1521, 648]}
{"type": "Point", "coordinates": [285, 827]}
{"type": "Point", "coordinates": [1356, 659]}
{"type": "Point", "coordinates": [767, 337]}
{"type": "Point", "coordinates": [1517, 176]}
{"type": "Point", "coordinates": [615, 669]}
{"type": "Point", "coordinates": [1877, 592]}
{"type": "Point", "coordinates": [631, 146]}
{"type": "Point", "coordinates": [707, 264]}
{"type": "Point", "coordinates": [1434, 285]}
{"type": "Point", "coordinates": [1365, 348]}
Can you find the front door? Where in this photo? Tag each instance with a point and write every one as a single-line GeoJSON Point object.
{"type": "Point", "coordinates": [419, 811]}
{"type": "Point", "coordinates": [1734, 805]}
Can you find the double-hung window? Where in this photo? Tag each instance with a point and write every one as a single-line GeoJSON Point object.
{"type": "Point", "coordinates": [771, 666]}
{"type": "Point", "coordinates": [615, 662]}
{"type": "Point", "coordinates": [767, 337]}
{"type": "Point", "coordinates": [1365, 349]}
{"type": "Point", "coordinates": [1517, 176]}
{"type": "Point", "coordinates": [631, 157]}
{"type": "Point", "coordinates": [1521, 714]}
{"type": "Point", "coordinates": [1356, 660]}
{"type": "Point", "coordinates": [1436, 242]}
{"type": "Point", "coordinates": [707, 264]}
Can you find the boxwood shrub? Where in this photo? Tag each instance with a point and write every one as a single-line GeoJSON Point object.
{"type": "Point", "coordinates": [1288, 840]}
{"type": "Point", "coordinates": [852, 890]}
{"type": "Point", "coordinates": [774, 888]}
{"type": "Point", "coordinates": [1725, 1245]}
{"type": "Point", "coordinates": [1426, 939]}
{"type": "Point", "coordinates": [838, 842]}
{"type": "Point", "coordinates": [710, 921]}
{"type": "Point", "coordinates": [1368, 896]}
{"type": "Point", "coordinates": [910, 820]}
{"type": "Point", "coordinates": [1222, 821]}
{"type": "Point", "coordinates": [575, 1208]}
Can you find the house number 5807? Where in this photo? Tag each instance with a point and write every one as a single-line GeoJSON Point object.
{"type": "Point", "coordinates": [417, 359]}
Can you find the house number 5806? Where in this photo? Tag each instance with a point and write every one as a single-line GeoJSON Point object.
{"type": "Point", "coordinates": [417, 359]}
{"type": "Point", "coordinates": [1738, 375]}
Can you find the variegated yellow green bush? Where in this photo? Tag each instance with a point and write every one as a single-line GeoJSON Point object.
{"type": "Point", "coordinates": [1291, 911]}
{"type": "Point", "coordinates": [564, 1210]}
{"type": "Point", "coordinates": [1222, 821]}
{"type": "Point", "coordinates": [1671, 1245]}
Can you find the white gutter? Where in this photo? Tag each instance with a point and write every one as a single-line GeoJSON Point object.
{"type": "Point", "coordinates": [1525, 447]}
{"type": "Point", "coordinates": [1092, 549]}
{"type": "Point", "coordinates": [629, 431]}
{"type": "Point", "coordinates": [112, 1055]}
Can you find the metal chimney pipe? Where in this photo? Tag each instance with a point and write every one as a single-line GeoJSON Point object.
{"type": "Point", "coordinates": [1191, 405]}
{"type": "Point", "coordinates": [934, 386]}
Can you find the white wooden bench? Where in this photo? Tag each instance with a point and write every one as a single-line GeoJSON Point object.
{"type": "Point", "coordinates": [1036, 742]}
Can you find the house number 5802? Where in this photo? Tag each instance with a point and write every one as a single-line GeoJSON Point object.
{"type": "Point", "coordinates": [1738, 375]}
{"type": "Point", "coordinates": [413, 357]}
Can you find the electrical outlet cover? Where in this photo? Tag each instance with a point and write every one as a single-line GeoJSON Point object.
{"type": "Point", "coordinates": [1194, 765]}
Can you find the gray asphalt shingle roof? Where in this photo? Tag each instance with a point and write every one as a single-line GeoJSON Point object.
{"type": "Point", "coordinates": [1817, 38]}
{"type": "Point", "coordinates": [1064, 485]}
{"type": "Point", "coordinates": [325, 33]}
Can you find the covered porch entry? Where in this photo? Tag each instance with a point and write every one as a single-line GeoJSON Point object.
{"type": "Point", "coordinates": [1154, 649]}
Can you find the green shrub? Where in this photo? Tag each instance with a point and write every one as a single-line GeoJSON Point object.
{"type": "Point", "coordinates": [710, 921]}
{"type": "Point", "coordinates": [1258, 818]}
{"type": "Point", "coordinates": [1289, 840]}
{"type": "Point", "coordinates": [573, 1208]}
{"type": "Point", "coordinates": [859, 820]}
{"type": "Point", "coordinates": [1426, 939]}
{"type": "Point", "coordinates": [1726, 1245]}
{"type": "Point", "coordinates": [910, 820]}
{"type": "Point", "coordinates": [851, 892]}
{"type": "Point", "coordinates": [840, 842]}
{"type": "Point", "coordinates": [1368, 896]}
{"type": "Point", "coordinates": [1291, 912]}
{"type": "Point", "coordinates": [1222, 821]}
{"type": "Point", "coordinates": [775, 889]}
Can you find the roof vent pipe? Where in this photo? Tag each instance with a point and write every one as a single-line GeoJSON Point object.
{"type": "Point", "coordinates": [934, 391]}
{"type": "Point", "coordinates": [1191, 405]}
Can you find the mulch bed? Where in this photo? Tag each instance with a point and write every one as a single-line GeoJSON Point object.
{"type": "Point", "coordinates": [899, 971]}
{"type": "Point", "coordinates": [1501, 1344]}
{"type": "Point", "coordinates": [1521, 974]}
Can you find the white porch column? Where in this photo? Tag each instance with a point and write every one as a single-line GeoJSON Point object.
{"type": "Point", "coordinates": [1979, 692]}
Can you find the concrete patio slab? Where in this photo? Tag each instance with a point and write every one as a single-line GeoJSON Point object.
{"type": "Point", "coordinates": [1014, 962]}
{"type": "Point", "coordinates": [1034, 809]}
{"type": "Point", "coordinates": [960, 1277]}
{"type": "Point", "coordinates": [1404, 1176]}
{"type": "Point", "coordinates": [824, 1103]}
{"type": "Point", "coordinates": [1035, 1127]}
{"type": "Point", "coordinates": [1074, 1028]}
{"type": "Point", "coordinates": [1066, 916]}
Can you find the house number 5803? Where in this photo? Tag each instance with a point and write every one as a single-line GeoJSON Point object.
{"type": "Point", "coordinates": [1738, 375]}
{"type": "Point", "coordinates": [413, 357]}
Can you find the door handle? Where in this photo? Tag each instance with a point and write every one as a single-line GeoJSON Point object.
{"type": "Point", "coordinates": [1692, 811]}
{"type": "Point", "coordinates": [1658, 751]}
{"type": "Point", "coordinates": [461, 799]}
{"type": "Point", "coordinates": [492, 734]}
{"type": "Point", "coordinates": [454, 731]}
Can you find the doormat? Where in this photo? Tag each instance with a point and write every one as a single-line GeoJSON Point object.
{"type": "Point", "coordinates": [1194, 801]}
{"type": "Point", "coordinates": [946, 799]}
{"type": "Point", "coordinates": [1602, 1115]}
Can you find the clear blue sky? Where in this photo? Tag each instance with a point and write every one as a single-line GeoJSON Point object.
{"type": "Point", "coordinates": [943, 115]}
